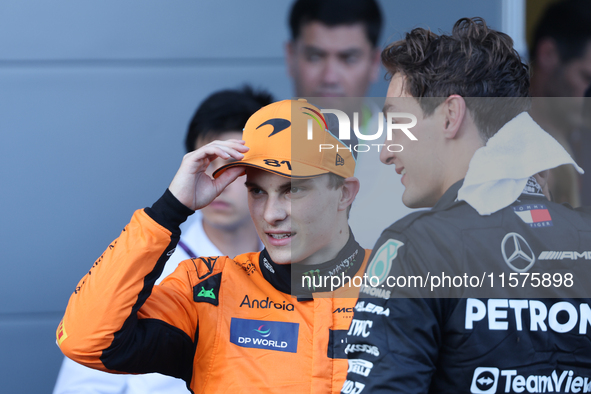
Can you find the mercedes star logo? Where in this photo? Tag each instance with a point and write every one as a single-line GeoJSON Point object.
{"type": "Point", "coordinates": [517, 253]}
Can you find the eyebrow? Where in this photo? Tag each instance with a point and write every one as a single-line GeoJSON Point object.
{"type": "Point", "coordinates": [300, 182]}
{"type": "Point", "coordinates": [255, 185]}
{"type": "Point", "coordinates": [344, 52]}
{"type": "Point", "coordinates": [387, 108]}
{"type": "Point", "coordinates": [350, 51]}
{"type": "Point", "coordinates": [251, 184]}
{"type": "Point", "coordinates": [311, 48]}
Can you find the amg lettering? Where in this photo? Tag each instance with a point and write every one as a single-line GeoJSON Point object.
{"type": "Point", "coordinates": [562, 255]}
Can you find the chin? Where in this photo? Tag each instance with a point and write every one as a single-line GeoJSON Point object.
{"type": "Point", "coordinates": [408, 201]}
{"type": "Point", "coordinates": [413, 201]}
{"type": "Point", "coordinates": [280, 257]}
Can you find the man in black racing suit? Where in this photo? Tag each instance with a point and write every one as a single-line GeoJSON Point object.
{"type": "Point", "coordinates": [484, 292]}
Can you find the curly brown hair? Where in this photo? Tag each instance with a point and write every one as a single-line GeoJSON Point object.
{"type": "Point", "coordinates": [473, 62]}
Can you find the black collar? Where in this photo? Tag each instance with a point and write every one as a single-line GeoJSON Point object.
{"type": "Point", "coordinates": [285, 277]}
{"type": "Point", "coordinates": [449, 197]}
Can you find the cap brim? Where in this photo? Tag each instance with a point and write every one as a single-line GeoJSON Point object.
{"type": "Point", "coordinates": [289, 169]}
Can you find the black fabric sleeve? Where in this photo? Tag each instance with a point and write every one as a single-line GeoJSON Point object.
{"type": "Point", "coordinates": [169, 212]}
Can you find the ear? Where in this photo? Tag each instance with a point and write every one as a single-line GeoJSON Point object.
{"type": "Point", "coordinates": [290, 57]}
{"type": "Point", "coordinates": [454, 110]}
{"type": "Point", "coordinates": [376, 61]}
{"type": "Point", "coordinates": [547, 56]}
{"type": "Point", "coordinates": [542, 178]}
{"type": "Point", "coordinates": [349, 190]}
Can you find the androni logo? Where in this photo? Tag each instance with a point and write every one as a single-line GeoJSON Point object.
{"type": "Point", "coordinates": [264, 334]}
{"type": "Point", "coordinates": [493, 380]}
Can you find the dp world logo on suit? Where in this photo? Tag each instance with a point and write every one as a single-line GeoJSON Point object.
{"type": "Point", "coordinates": [264, 334]}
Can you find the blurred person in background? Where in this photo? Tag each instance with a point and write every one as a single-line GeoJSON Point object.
{"type": "Point", "coordinates": [561, 71]}
{"type": "Point", "coordinates": [333, 51]}
{"type": "Point", "coordinates": [583, 148]}
{"type": "Point", "coordinates": [222, 228]}
{"type": "Point", "coordinates": [333, 56]}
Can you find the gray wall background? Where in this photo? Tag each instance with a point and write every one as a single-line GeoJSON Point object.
{"type": "Point", "coordinates": [95, 97]}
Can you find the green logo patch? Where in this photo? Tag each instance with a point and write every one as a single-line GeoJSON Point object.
{"type": "Point", "coordinates": [206, 293]}
{"type": "Point", "coordinates": [208, 290]}
{"type": "Point", "coordinates": [381, 264]}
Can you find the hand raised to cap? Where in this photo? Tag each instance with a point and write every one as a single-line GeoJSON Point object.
{"type": "Point", "coordinates": [196, 189]}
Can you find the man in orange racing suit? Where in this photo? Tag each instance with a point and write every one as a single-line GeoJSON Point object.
{"type": "Point", "coordinates": [255, 323]}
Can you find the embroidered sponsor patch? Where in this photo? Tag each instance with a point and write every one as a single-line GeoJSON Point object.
{"type": "Point", "coordinates": [536, 215]}
{"type": "Point", "coordinates": [264, 334]}
{"type": "Point", "coordinates": [61, 334]}
{"type": "Point", "coordinates": [381, 263]}
{"type": "Point", "coordinates": [208, 290]}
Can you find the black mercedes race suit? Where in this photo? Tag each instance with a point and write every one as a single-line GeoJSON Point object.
{"type": "Point", "coordinates": [440, 320]}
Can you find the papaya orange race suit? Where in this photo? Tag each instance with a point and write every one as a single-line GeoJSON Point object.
{"type": "Point", "coordinates": [221, 324]}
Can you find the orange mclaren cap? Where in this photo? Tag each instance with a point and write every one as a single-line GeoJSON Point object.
{"type": "Point", "coordinates": [291, 138]}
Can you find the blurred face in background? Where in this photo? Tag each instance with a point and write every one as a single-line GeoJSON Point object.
{"type": "Point", "coordinates": [230, 209]}
{"type": "Point", "coordinates": [336, 61]}
{"type": "Point", "coordinates": [562, 84]}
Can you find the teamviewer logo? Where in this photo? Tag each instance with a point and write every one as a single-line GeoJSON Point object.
{"type": "Point", "coordinates": [485, 380]}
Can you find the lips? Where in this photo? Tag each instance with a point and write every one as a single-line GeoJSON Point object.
{"type": "Point", "coordinates": [401, 171]}
{"type": "Point", "coordinates": [220, 205]}
{"type": "Point", "coordinates": [279, 238]}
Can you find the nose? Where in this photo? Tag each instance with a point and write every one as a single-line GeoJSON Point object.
{"type": "Point", "coordinates": [330, 72]}
{"type": "Point", "coordinates": [386, 155]}
{"type": "Point", "coordinates": [277, 209]}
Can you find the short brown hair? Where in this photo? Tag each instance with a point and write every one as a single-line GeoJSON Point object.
{"type": "Point", "coordinates": [474, 61]}
{"type": "Point", "coordinates": [334, 182]}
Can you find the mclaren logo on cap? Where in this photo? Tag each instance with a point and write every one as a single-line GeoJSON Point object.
{"type": "Point", "coordinates": [277, 123]}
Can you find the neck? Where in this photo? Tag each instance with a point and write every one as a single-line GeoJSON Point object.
{"type": "Point", "coordinates": [341, 236]}
{"type": "Point", "coordinates": [460, 154]}
{"type": "Point", "coordinates": [234, 241]}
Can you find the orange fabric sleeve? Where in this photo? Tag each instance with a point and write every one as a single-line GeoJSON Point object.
{"type": "Point", "coordinates": [104, 327]}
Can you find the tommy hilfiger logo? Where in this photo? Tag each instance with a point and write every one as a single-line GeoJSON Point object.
{"type": "Point", "coordinates": [536, 215]}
